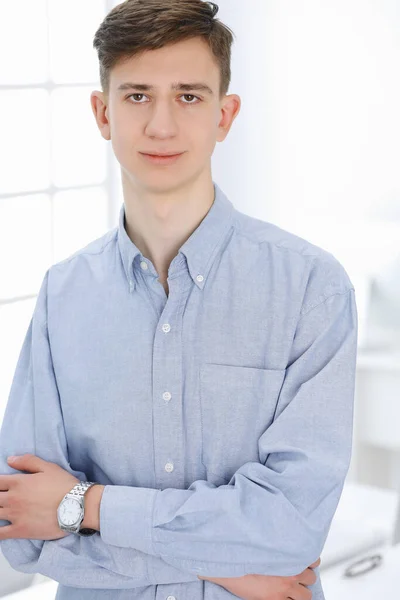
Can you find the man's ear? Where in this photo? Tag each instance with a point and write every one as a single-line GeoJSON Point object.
{"type": "Point", "coordinates": [99, 104]}
{"type": "Point", "coordinates": [230, 108]}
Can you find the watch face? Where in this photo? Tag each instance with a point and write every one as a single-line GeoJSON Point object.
{"type": "Point", "coordinates": [69, 511]}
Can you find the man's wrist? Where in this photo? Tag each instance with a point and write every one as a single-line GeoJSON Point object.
{"type": "Point", "coordinates": [92, 507]}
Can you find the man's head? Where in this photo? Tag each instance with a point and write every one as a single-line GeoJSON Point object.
{"type": "Point", "coordinates": [164, 44]}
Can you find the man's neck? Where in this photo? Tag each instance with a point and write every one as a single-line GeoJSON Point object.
{"type": "Point", "coordinates": [159, 223]}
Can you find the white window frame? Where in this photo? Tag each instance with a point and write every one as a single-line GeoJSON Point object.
{"type": "Point", "coordinates": [111, 182]}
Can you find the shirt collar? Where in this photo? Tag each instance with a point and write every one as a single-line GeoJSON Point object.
{"type": "Point", "coordinates": [199, 249]}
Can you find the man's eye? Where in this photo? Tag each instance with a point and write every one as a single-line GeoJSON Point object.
{"type": "Point", "coordinates": [131, 96]}
{"type": "Point", "coordinates": [183, 96]}
{"type": "Point", "coordinates": [190, 96]}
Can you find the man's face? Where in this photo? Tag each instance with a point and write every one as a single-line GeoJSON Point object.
{"type": "Point", "coordinates": [162, 119]}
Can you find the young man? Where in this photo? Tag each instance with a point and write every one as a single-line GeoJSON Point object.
{"type": "Point", "coordinates": [196, 364]}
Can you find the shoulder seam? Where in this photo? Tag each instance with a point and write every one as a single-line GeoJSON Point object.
{"type": "Point", "coordinates": [67, 260]}
{"type": "Point", "coordinates": [347, 291]}
{"type": "Point", "coordinates": [278, 246]}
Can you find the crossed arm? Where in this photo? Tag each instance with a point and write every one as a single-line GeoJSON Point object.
{"type": "Point", "coordinates": [150, 537]}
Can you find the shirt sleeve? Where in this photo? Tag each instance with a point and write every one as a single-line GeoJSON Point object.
{"type": "Point", "coordinates": [33, 423]}
{"type": "Point", "coordinates": [273, 517]}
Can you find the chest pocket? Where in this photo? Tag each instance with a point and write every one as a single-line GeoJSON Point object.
{"type": "Point", "coordinates": [237, 405]}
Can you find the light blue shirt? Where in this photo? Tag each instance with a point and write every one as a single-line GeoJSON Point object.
{"type": "Point", "coordinates": [219, 417]}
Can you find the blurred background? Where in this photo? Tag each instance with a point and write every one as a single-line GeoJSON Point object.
{"type": "Point", "coordinates": [317, 141]}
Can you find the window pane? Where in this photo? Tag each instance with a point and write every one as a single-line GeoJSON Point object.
{"type": "Point", "coordinates": [25, 143]}
{"type": "Point", "coordinates": [25, 244]}
{"type": "Point", "coordinates": [23, 41]}
{"type": "Point", "coordinates": [79, 151]}
{"type": "Point", "coordinates": [14, 322]}
{"type": "Point", "coordinates": [80, 216]}
{"type": "Point", "coordinates": [73, 58]}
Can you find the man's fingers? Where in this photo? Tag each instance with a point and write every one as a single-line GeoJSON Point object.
{"type": "Point", "coordinates": [316, 564]}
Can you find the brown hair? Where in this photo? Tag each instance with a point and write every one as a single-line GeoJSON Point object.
{"type": "Point", "coordinates": [138, 25]}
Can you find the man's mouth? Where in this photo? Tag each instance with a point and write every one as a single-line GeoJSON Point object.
{"type": "Point", "coordinates": [166, 159]}
{"type": "Point", "coordinates": [162, 154]}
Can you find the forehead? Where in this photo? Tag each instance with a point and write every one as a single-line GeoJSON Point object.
{"type": "Point", "coordinates": [188, 60]}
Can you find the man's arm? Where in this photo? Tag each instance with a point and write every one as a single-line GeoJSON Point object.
{"type": "Point", "coordinates": [33, 423]}
{"type": "Point", "coordinates": [274, 516]}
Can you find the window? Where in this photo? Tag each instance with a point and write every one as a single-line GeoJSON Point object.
{"type": "Point", "coordinates": [59, 184]}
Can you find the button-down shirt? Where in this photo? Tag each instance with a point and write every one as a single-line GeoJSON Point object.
{"type": "Point", "coordinates": [218, 417]}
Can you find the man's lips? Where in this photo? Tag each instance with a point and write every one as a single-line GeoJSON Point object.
{"type": "Point", "coordinates": [162, 160]}
{"type": "Point", "coordinates": [162, 155]}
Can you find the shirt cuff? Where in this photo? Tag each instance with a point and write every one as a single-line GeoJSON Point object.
{"type": "Point", "coordinates": [126, 517]}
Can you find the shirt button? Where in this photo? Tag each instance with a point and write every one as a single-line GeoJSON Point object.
{"type": "Point", "coordinates": [166, 327]}
{"type": "Point", "coordinates": [144, 265]}
{"type": "Point", "coordinates": [171, 598]}
{"type": "Point", "coordinates": [166, 396]}
{"type": "Point", "coordinates": [199, 277]}
{"type": "Point", "coordinates": [169, 467]}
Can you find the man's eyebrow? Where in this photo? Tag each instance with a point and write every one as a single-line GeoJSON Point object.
{"type": "Point", "coordinates": [183, 87]}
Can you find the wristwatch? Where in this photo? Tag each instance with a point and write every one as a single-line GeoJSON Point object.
{"type": "Point", "coordinates": [71, 510]}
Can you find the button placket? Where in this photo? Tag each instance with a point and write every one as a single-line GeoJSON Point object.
{"type": "Point", "coordinates": [167, 369]}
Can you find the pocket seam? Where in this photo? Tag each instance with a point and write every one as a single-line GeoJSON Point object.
{"type": "Point", "coordinates": [250, 372]}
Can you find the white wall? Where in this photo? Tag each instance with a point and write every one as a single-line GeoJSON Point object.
{"type": "Point", "coordinates": [317, 138]}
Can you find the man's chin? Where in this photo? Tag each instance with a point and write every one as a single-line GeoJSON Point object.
{"type": "Point", "coordinates": [160, 183]}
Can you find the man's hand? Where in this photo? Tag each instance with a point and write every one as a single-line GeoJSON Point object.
{"type": "Point", "coordinates": [30, 502]}
{"type": "Point", "coordinates": [266, 587]}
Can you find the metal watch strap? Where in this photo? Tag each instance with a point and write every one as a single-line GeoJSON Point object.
{"type": "Point", "coordinates": [79, 490]}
